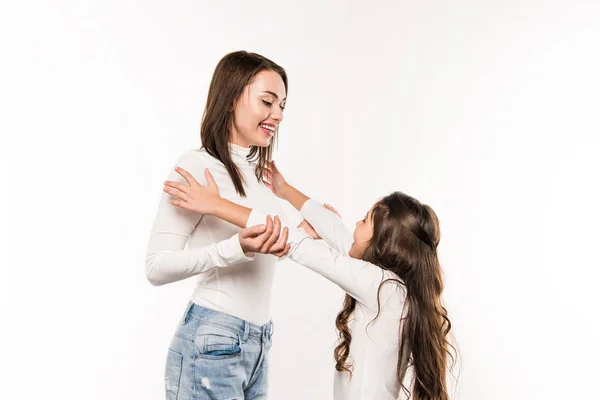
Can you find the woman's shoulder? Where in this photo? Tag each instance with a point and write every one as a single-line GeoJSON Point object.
{"type": "Point", "coordinates": [197, 158]}
{"type": "Point", "coordinates": [195, 161]}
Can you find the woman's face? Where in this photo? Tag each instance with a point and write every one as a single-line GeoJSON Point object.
{"type": "Point", "coordinates": [362, 234]}
{"type": "Point", "coordinates": [259, 110]}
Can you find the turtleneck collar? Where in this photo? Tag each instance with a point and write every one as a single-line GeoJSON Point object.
{"type": "Point", "coordinates": [238, 153]}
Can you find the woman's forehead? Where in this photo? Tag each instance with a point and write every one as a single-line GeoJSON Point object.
{"type": "Point", "coordinates": [269, 82]}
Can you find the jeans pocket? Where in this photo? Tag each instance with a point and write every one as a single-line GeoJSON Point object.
{"type": "Point", "coordinates": [173, 374]}
{"type": "Point", "coordinates": [217, 343]}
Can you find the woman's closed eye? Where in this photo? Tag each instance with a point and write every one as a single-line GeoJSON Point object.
{"type": "Point", "coordinates": [269, 104]}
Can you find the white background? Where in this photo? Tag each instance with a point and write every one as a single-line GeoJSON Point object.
{"type": "Point", "coordinates": [486, 110]}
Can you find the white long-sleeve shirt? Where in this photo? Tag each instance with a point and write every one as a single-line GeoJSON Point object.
{"type": "Point", "coordinates": [227, 280]}
{"type": "Point", "coordinates": [373, 350]}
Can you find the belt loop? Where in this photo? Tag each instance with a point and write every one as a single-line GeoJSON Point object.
{"type": "Point", "coordinates": [186, 315]}
{"type": "Point", "coordinates": [246, 332]}
{"type": "Point", "coordinates": [271, 329]}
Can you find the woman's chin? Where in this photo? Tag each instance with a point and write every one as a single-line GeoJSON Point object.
{"type": "Point", "coordinates": [266, 143]}
{"type": "Point", "coordinates": [262, 142]}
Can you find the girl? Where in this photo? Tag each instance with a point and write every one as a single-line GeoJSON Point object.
{"type": "Point", "coordinates": [221, 345]}
{"type": "Point", "coordinates": [392, 317]}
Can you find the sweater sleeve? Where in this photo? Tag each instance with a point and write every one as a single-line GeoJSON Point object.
{"type": "Point", "coordinates": [167, 259]}
{"type": "Point", "coordinates": [328, 226]}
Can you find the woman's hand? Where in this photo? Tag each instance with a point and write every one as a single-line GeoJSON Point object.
{"type": "Point", "coordinates": [275, 181]}
{"type": "Point", "coordinates": [265, 238]}
{"type": "Point", "coordinates": [194, 197]}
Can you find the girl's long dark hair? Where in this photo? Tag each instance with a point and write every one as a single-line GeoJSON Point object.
{"type": "Point", "coordinates": [406, 234]}
{"type": "Point", "coordinates": [232, 74]}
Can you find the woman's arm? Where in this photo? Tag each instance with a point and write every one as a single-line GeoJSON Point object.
{"type": "Point", "coordinates": [326, 224]}
{"type": "Point", "coordinates": [358, 278]}
{"type": "Point", "coordinates": [168, 261]}
{"type": "Point", "coordinates": [200, 200]}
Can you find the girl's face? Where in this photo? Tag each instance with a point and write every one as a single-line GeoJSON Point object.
{"type": "Point", "coordinates": [362, 235]}
{"type": "Point", "coordinates": [259, 110]}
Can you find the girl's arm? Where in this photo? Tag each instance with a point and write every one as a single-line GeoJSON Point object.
{"type": "Point", "coordinates": [358, 278]}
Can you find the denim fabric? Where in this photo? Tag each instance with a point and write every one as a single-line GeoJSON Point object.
{"type": "Point", "coordinates": [217, 356]}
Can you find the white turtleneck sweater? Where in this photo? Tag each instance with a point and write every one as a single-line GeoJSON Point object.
{"type": "Point", "coordinates": [226, 279]}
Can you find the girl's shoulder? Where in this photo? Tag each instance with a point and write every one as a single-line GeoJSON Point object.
{"type": "Point", "coordinates": [392, 287]}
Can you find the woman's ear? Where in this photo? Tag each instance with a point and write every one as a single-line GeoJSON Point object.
{"type": "Point", "coordinates": [232, 105]}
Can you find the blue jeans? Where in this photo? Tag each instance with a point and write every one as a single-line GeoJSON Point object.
{"type": "Point", "coordinates": [217, 356]}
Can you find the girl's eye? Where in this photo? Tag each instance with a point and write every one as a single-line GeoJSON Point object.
{"type": "Point", "coordinates": [267, 103]}
{"type": "Point", "coordinates": [282, 108]}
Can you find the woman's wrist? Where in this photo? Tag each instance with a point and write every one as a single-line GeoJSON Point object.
{"type": "Point", "coordinates": [217, 208]}
{"type": "Point", "coordinates": [295, 197]}
{"type": "Point", "coordinates": [286, 191]}
{"type": "Point", "coordinates": [231, 212]}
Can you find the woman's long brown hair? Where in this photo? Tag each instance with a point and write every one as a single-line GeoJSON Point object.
{"type": "Point", "coordinates": [232, 74]}
{"type": "Point", "coordinates": [406, 234]}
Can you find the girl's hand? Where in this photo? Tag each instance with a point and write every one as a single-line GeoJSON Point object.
{"type": "Point", "coordinates": [273, 179]}
{"type": "Point", "coordinates": [333, 210]}
{"type": "Point", "coordinates": [194, 197]}
{"type": "Point", "coordinates": [308, 228]}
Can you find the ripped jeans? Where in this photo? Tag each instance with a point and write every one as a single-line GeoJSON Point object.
{"type": "Point", "coordinates": [217, 356]}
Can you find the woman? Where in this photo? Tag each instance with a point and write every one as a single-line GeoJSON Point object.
{"type": "Point", "coordinates": [220, 348]}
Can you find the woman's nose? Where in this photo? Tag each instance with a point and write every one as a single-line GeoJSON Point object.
{"type": "Point", "coordinates": [277, 115]}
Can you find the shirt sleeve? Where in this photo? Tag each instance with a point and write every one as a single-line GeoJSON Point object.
{"type": "Point", "coordinates": [358, 278]}
{"type": "Point", "coordinates": [328, 226]}
{"type": "Point", "coordinates": [167, 259]}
